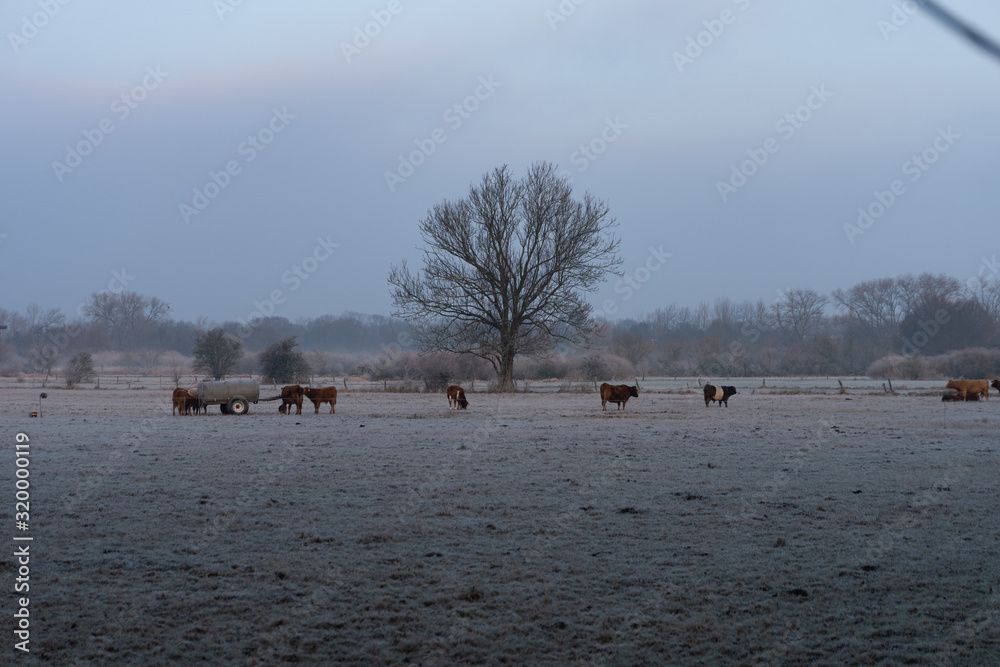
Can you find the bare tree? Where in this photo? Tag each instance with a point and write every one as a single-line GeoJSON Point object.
{"type": "Point", "coordinates": [216, 353]}
{"type": "Point", "coordinates": [124, 314]}
{"type": "Point", "coordinates": [876, 305]}
{"type": "Point", "coordinates": [505, 269]}
{"type": "Point", "coordinates": [799, 313]}
{"type": "Point", "coordinates": [926, 288]}
{"type": "Point", "coordinates": [633, 347]}
{"type": "Point", "coordinates": [43, 323]}
{"type": "Point", "coordinates": [43, 358]}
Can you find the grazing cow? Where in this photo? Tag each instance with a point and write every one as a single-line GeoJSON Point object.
{"type": "Point", "coordinates": [193, 403]}
{"type": "Point", "coordinates": [617, 393]}
{"type": "Point", "coordinates": [321, 396]}
{"type": "Point", "coordinates": [720, 394]}
{"type": "Point", "coordinates": [291, 395]}
{"type": "Point", "coordinates": [965, 386]}
{"type": "Point", "coordinates": [457, 394]}
{"type": "Point", "coordinates": [180, 401]}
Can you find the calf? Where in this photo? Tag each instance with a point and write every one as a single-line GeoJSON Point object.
{"type": "Point", "coordinates": [321, 396]}
{"type": "Point", "coordinates": [720, 394]}
{"type": "Point", "coordinates": [457, 395]}
{"type": "Point", "coordinates": [969, 396]}
{"type": "Point", "coordinates": [617, 393]}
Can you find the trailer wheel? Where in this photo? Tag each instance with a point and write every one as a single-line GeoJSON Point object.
{"type": "Point", "coordinates": [238, 406]}
{"type": "Point", "coordinates": [223, 408]}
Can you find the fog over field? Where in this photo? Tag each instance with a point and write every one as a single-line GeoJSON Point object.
{"type": "Point", "coordinates": [211, 153]}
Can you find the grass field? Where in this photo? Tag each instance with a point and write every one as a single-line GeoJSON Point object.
{"type": "Point", "coordinates": [790, 528]}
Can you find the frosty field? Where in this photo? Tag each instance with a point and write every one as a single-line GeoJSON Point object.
{"type": "Point", "coordinates": [790, 528]}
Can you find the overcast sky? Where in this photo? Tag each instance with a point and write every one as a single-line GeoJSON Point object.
{"type": "Point", "coordinates": [217, 154]}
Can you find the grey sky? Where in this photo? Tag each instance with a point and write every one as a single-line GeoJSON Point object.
{"type": "Point", "coordinates": [207, 89]}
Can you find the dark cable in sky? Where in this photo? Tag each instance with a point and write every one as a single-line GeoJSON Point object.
{"type": "Point", "coordinates": [964, 29]}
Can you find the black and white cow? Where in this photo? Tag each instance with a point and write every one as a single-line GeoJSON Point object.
{"type": "Point", "coordinates": [720, 394]}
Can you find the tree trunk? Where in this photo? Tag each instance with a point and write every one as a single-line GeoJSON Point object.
{"type": "Point", "coordinates": [506, 374]}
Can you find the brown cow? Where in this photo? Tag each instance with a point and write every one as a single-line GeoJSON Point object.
{"type": "Point", "coordinates": [457, 394]}
{"type": "Point", "coordinates": [291, 395]}
{"type": "Point", "coordinates": [180, 402]}
{"type": "Point", "coordinates": [965, 386]}
{"type": "Point", "coordinates": [321, 396]}
{"type": "Point", "coordinates": [617, 393]}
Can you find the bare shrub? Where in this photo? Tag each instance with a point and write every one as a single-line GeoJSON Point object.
{"type": "Point", "coordinates": [80, 368]}
{"type": "Point", "coordinates": [973, 363]}
{"type": "Point", "coordinates": [141, 362]}
{"type": "Point", "coordinates": [603, 366]}
{"type": "Point", "coordinates": [555, 366]}
{"type": "Point", "coordinates": [912, 367]}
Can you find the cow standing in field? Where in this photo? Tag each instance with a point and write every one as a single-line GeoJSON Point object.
{"type": "Point", "coordinates": [180, 402]}
{"type": "Point", "coordinates": [963, 387]}
{"type": "Point", "coordinates": [291, 395]}
{"type": "Point", "coordinates": [720, 394]}
{"type": "Point", "coordinates": [456, 395]}
{"type": "Point", "coordinates": [321, 396]}
{"type": "Point", "coordinates": [995, 384]}
{"type": "Point", "coordinates": [617, 393]}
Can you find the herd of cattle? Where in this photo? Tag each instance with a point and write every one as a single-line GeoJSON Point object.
{"type": "Point", "coordinates": [970, 390]}
{"type": "Point", "coordinates": [185, 401]}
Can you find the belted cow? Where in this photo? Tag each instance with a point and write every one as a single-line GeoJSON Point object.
{"type": "Point", "coordinates": [720, 394]}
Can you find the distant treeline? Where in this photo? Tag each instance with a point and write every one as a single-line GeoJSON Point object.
{"type": "Point", "coordinates": [907, 327]}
